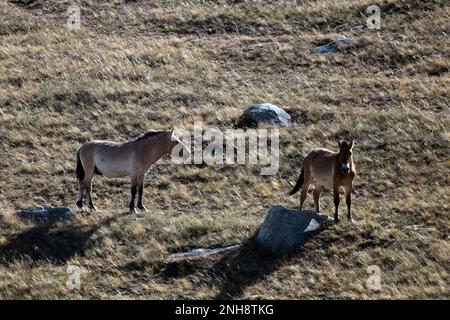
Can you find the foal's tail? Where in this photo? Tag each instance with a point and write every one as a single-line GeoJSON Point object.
{"type": "Point", "coordinates": [80, 169]}
{"type": "Point", "coordinates": [299, 183]}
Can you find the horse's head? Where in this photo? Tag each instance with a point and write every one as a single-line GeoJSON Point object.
{"type": "Point", "coordinates": [177, 148]}
{"type": "Point", "coordinates": [345, 156]}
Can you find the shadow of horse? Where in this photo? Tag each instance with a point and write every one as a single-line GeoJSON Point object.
{"type": "Point", "coordinates": [49, 242]}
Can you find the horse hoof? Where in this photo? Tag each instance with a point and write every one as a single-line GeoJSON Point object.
{"type": "Point", "coordinates": [133, 210]}
{"type": "Point", "coordinates": [142, 208]}
{"type": "Point", "coordinates": [337, 220]}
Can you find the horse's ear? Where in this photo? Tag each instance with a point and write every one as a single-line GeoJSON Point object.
{"type": "Point", "coordinates": [339, 144]}
{"type": "Point", "coordinates": [350, 146]}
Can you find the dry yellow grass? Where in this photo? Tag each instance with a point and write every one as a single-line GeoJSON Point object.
{"type": "Point", "coordinates": [139, 65]}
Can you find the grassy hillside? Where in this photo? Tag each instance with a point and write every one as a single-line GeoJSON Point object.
{"type": "Point", "coordinates": [140, 65]}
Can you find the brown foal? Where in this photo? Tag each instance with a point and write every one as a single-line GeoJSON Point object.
{"type": "Point", "coordinates": [328, 169]}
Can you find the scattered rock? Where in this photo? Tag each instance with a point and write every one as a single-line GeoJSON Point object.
{"type": "Point", "coordinates": [46, 214]}
{"type": "Point", "coordinates": [359, 27]}
{"type": "Point", "coordinates": [265, 113]}
{"type": "Point", "coordinates": [200, 253]}
{"type": "Point", "coordinates": [400, 36]}
{"type": "Point", "coordinates": [284, 230]}
{"type": "Point", "coordinates": [334, 46]}
{"type": "Point", "coordinates": [28, 3]}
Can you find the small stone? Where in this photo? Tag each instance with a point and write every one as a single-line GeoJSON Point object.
{"type": "Point", "coordinates": [400, 36]}
{"type": "Point", "coordinates": [359, 27]}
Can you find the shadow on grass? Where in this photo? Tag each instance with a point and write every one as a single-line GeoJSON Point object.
{"type": "Point", "coordinates": [252, 264]}
{"type": "Point", "coordinates": [234, 271]}
{"type": "Point", "coordinates": [245, 267]}
{"type": "Point", "coordinates": [49, 242]}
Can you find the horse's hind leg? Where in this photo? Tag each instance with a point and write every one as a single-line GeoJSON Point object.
{"type": "Point", "coordinates": [303, 194]}
{"type": "Point", "coordinates": [80, 195]}
{"type": "Point", "coordinates": [88, 187]}
{"type": "Point", "coordinates": [305, 187]}
{"type": "Point", "coordinates": [317, 192]}
{"type": "Point", "coordinates": [87, 162]}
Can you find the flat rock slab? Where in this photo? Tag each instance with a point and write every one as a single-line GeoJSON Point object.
{"type": "Point", "coordinates": [284, 230]}
{"type": "Point", "coordinates": [334, 46]}
{"type": "Point", "coordinates": [200, 253]}
{"type": "Point", "coordinates": [46, 214]}
{"type": "Point", "coordinates": [265, 113]}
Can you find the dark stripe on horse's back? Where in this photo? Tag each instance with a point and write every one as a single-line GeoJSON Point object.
{"type": "Point", "coordinates": [148, 135]}
{"type": "Point", "coordinates": [96, 171]}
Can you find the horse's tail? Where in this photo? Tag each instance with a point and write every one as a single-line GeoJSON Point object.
{"type": "Point", "coordinates": [80, 169]}
{"type": "Point", "coordinates": [299, 183]}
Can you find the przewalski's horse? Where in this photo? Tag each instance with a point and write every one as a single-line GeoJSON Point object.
{"type": "Point", "coordinates": [132, 159]}
{"type": "Point", "coordinates": [328, 169]}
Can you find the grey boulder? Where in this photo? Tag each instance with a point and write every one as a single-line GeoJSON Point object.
{"type": "Point", "coordinates": [265, 113]}
{"type": "Point", "coordinates": [284, 230]}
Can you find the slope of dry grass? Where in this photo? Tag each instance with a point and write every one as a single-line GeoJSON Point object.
{"type": "Point", "coordinates": [139, 65]}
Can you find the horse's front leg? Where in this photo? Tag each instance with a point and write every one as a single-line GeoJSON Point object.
{"type": "Point", "coordinates": [134, 187]}
{"type": "Point", "coordinates": [88, 188]}
{"type": "Point", "coordinates": [348, 201]}
{"type": "Point", "coordinates": [336, 203]}
{"type": "Point", "coordinates": [140, 193]}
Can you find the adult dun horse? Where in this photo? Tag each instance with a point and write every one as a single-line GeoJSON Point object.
{"type": "Point", "coordinates": [132, 159]}
{"type": "Point", "coordinates": [328, 169]}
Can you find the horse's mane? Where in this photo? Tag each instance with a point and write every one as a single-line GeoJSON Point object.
{"type": "Point", "coordinates": [149, 134]}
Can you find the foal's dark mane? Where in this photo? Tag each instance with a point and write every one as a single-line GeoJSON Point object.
{"type": "Point", "coordinates": [149, 135]}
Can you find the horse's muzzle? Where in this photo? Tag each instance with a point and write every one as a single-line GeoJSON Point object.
{"type": "Point", "coordinates": [346, 169]}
